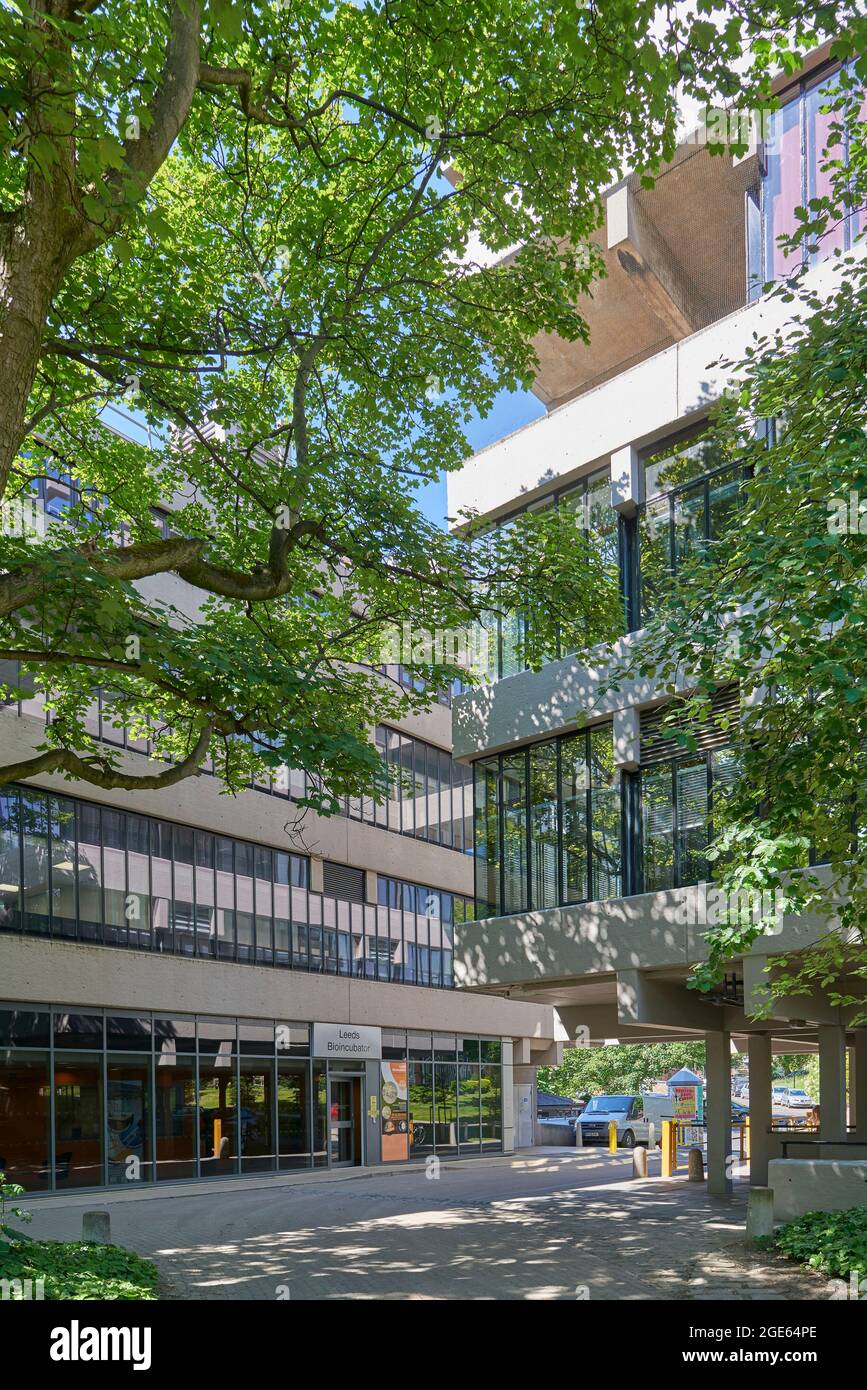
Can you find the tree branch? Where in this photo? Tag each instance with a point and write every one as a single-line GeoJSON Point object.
{"type": "Point", "coordinates": [99, 773]}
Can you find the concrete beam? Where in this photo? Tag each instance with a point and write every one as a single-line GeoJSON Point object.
{"type": "Point", "coordinates": [642, 252]}
{"type": "Point", "coordinates": [643, 1000]}
{"type": "Point", "coordinates": [813, 1008]}
{"type": "Point", "coordinates": [626, 730]}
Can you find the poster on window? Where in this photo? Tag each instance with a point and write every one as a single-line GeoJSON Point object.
{"type": "Point", "coordinates": [395, 1112]}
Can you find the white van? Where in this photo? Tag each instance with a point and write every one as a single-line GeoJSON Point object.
{"type": "Point", "coordinates": [632, 1114]}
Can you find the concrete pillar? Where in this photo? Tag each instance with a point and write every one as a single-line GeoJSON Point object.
{"type": "Point", "coordinates": [96, 1227]}
{"type": "Point", "coordinates": [761, 1082]}
{"type": "Point", "coordinates": [718, 1112]}
{"type": "Point", "coordinates": [508, 1081]}
{"type": "Point", "coordinates": [760, 1214]}
{"type": "Point", "coordinates": [832, 1081]}
{"type": "Point", "coordinates": [524, 1094]}
{"type": "Point", "coordinates": [858, 1083]}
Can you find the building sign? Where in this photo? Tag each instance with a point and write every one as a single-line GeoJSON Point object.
{"type": "Point", "coordinates": [350, 1042]}
{"type": "Point", "coordinates": [395, 1116]}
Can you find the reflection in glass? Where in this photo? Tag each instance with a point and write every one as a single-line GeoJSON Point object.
{"type": "Point", "coordinates": [218, 1119]}
{"type": "Point", "coordinates": [175, 1108]}
{"type": "Point", "coordinates": [24, 1119]}
{"type": "Point", "coordinates": [256, 1115]}
{"type": "Point", "coordinates": [78, 1127]}
{"type": "Point", "coordinates": [128, 1119]}
{"type": "Point", "coordinates": [469, 1105]}
{"type": "Point", "coordinates": [293, 1114]}
{"type": "Point", "coordinates": [421, 1135]}
{"type": "Point", "coordinates": [445, 1108]}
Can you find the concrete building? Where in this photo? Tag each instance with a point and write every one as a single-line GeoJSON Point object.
{"type": "Point", "coordinates": [195, 985]}
{"type": "Point", "coordinates": [591, 873]}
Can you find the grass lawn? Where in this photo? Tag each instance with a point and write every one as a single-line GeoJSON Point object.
{"type": "Point", "coordinates": [75, 1270]}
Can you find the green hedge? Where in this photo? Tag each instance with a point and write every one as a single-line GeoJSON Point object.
{"type": "Point", "coordinates": [78, 1270]}
{"type": "Point", "coordinates": [833, 1242]}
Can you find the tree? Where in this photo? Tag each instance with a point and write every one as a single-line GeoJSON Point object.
{"type": "Point", "coordinates": [236, 217]}
{"type": "Point", "coordinates": [778, 605]}
{"type": "Point", "coordinates": [618, 1070]}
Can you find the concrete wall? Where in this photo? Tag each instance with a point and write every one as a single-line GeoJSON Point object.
{"type": "Point", "coordinates": [62, 972]}
{"type": "Point", "coordinates": [816, 1184]}
{"type": "Point", "coordinates": [586, 939]}
{"type": "Point", "coordinates": [637, 406]}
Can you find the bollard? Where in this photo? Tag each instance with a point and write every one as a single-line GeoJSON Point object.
{"type": "Point", "coordinates": [747, 1138]}
{"type": "Point", "coordinates": [639, 1161]}
{"type": "Point", "coordinates": [96, 1227]}
{"type": "Point", "coordinates": [668, 1159]}
{"type": "Point", "coordinates": [760, 1213]}
{"type": "Point", "coordinates": [695, 1165]}
{"type": "Point", "coordinates": [612, 1137]}
{"type": "Point", "coordinates": [579, 1137]}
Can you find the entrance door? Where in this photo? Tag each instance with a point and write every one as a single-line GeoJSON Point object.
{"type": "Point", "coordinates": [345, 1120]}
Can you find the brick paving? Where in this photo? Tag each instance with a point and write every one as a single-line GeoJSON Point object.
{"type": "Point", "coordinates": [556, 1225]}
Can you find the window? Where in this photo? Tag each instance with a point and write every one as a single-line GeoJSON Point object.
{"type": "Point", "coordinates": [75, 870]}
{"type": "Point", "coordinates": [797, 149]}
{"type": "Point", "coordinates": [676, 797]}
{"type": "Point", "coordinates": [505, 635]}
{"type": "Point", "coordinates": [690, 497]}
{"type": "Point", "coordinates": [548, 825]}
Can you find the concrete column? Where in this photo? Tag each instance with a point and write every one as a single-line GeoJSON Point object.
{"type": "Point", "coordinates": [832, 1081]}
{"type": "Point", "coordinates": [508, 1099]}
{"type": "Point", "coordinates": [524, 1094]}
{"type": "Point", "coordinates": [718, 1114]}
{"type": "Point", "coordinates": [858, 1083]}
{"type": "Point", "coordinates": [761, 1080]}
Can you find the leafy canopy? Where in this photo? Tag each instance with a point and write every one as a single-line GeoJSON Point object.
{"type": "Point", "coordinates": [279, 232]}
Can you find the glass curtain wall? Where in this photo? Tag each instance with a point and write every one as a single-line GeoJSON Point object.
{"type": "Point", "coordinates": [690, 498]}
{"type": "Point", "coordinates": [505, 635]}
{"type": "Point", "coordinates": [72, 869]}
{"type": "Point", "coordinates": [89, 1099]}
{"type": "Point", "coordinates": [548, 825]}
{"type": "Point", "coordinates": [676, 800]}
{"type": "Point", "coordinates": [797, 153]}
{"type": "Point", "coordinates": [455, 1095]}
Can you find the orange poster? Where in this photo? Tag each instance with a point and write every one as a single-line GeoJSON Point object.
{"type": "Point", "coordinates": [395, 1113]}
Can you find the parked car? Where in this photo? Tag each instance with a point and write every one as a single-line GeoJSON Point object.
{"type": "Point", "coordinates": [780, 1094]}
{"type": "Point", "coordinates": [739, 1112]}
{"type": "Point", "coordinates": [799, 1100]}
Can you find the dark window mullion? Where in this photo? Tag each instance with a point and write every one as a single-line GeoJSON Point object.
{"type": "Point", "coordinates": [588, 803]}
{"type": "Point", "coordinates": [561, 887]}
{"type": "Point", "coordinates": [675, 827]}
{"type": "Point", "coordinates": [528, 832]}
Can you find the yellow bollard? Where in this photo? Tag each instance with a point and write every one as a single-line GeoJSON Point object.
{"type": "Point", "coordinates": [666, 1166]}
{"type": "Point", "coordinates": [747, 1138]}
{"type": "Point", "coordinates": [612, 1136]}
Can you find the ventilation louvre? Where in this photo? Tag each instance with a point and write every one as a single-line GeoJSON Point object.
{"type": "Point", "coordinates": [341, 881]}
{"type": "Point", "coordinates": [657, 748]}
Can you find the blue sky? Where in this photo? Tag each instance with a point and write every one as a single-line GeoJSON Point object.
{"type": "Point", "coordinates": [511, 410]}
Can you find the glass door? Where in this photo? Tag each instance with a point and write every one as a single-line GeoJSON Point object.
{"type": "Point", "coordinates": [345, 1120]}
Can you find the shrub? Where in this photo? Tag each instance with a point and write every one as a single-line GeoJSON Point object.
{"type": "Point", "coordinates": [78, 1269]}
{"type": "Point", "coordinates": [833, 1242]}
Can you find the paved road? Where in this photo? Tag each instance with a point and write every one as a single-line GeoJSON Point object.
{"type": "Point", "coordinates": [563, 1225]}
